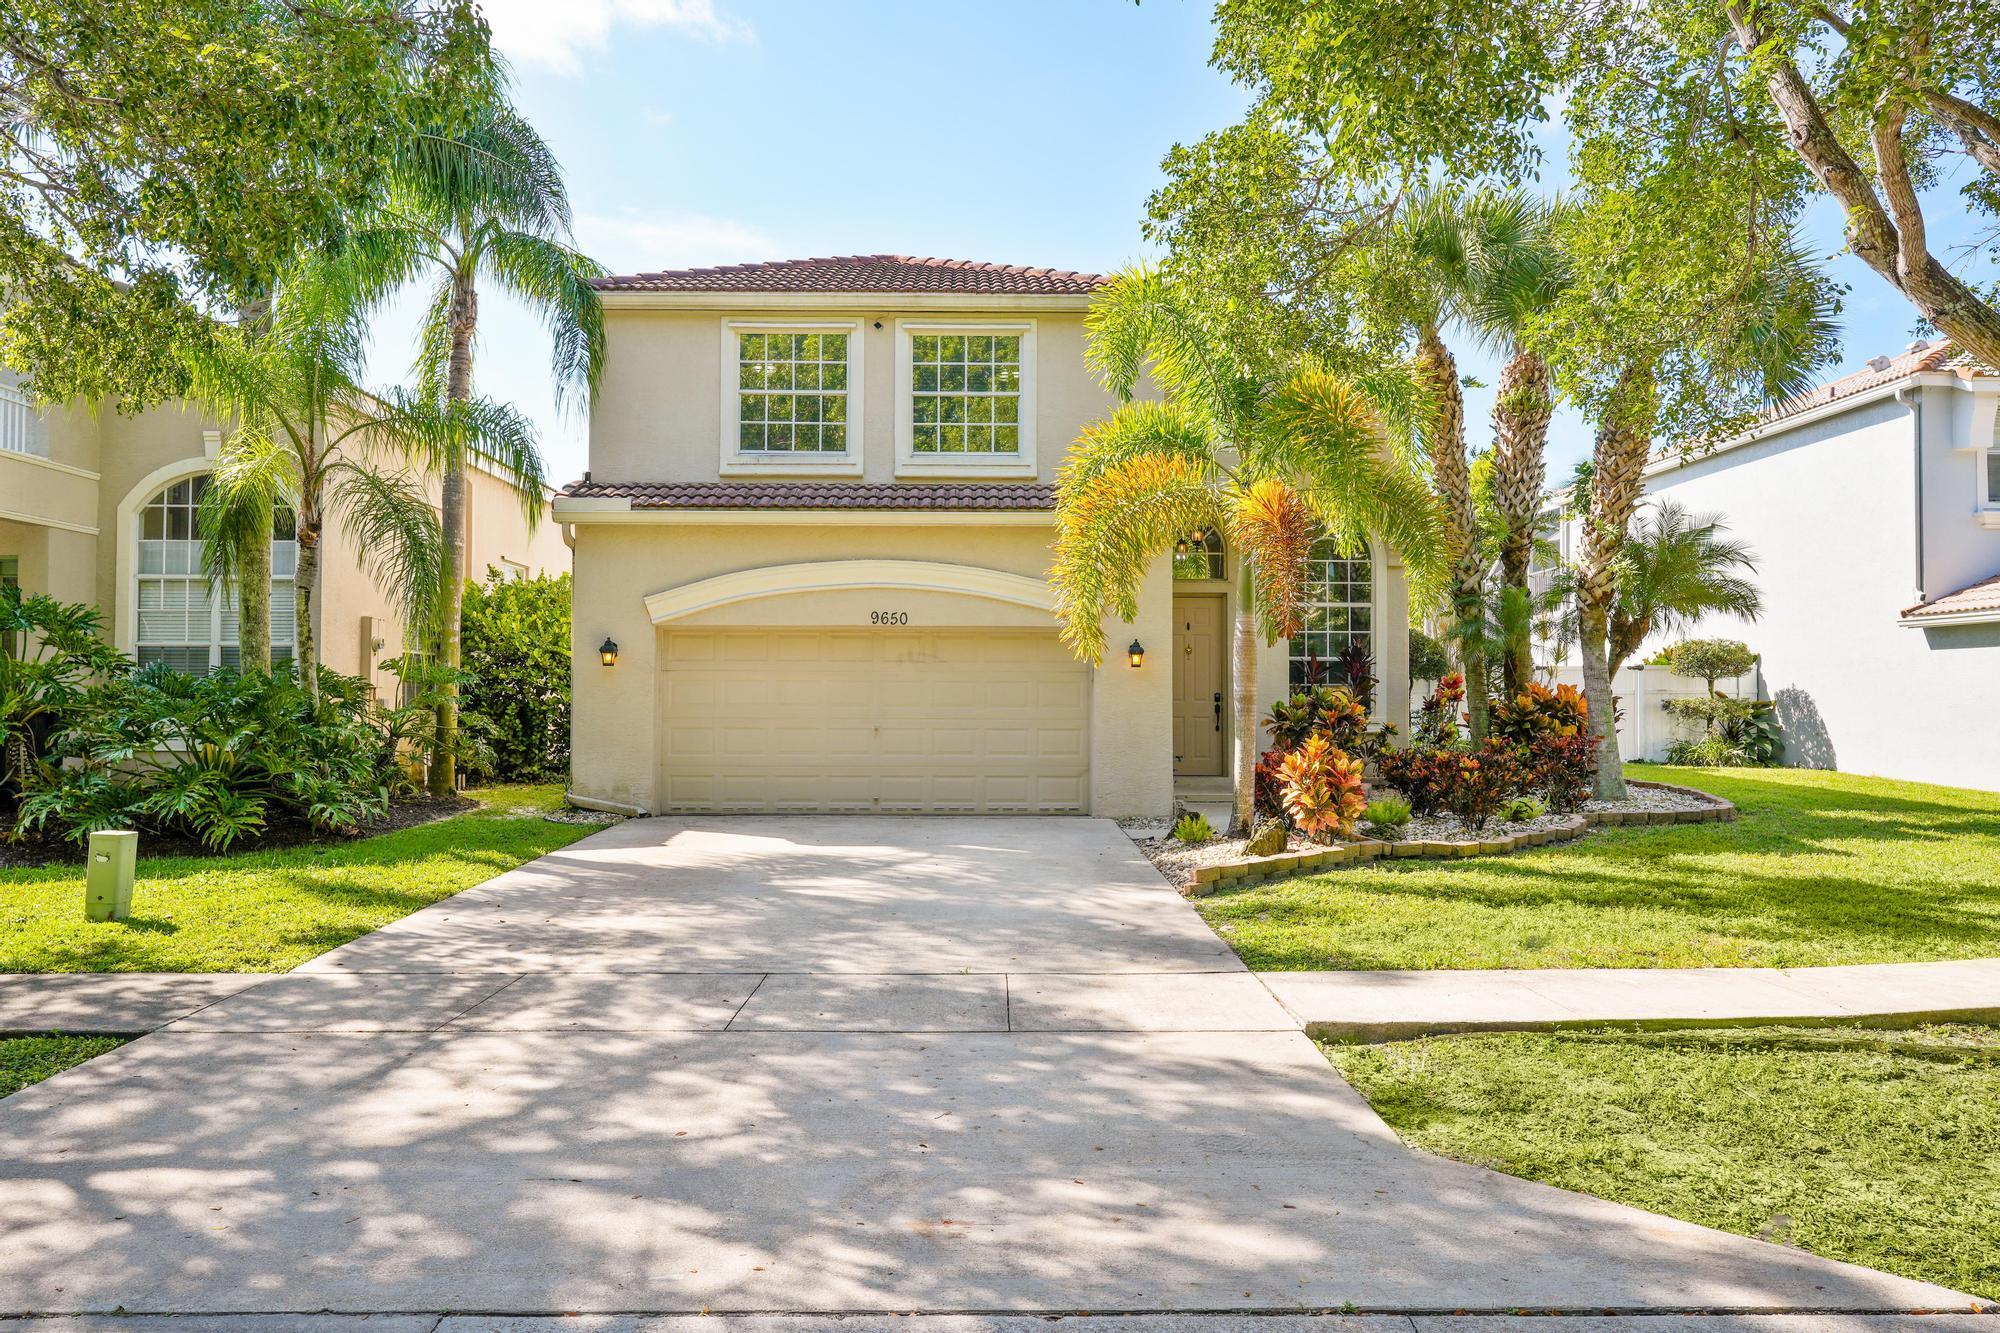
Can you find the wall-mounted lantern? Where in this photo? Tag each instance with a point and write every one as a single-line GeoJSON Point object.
{"type": "Point", "coordinates": [1136, 654]}
{"type": "Point", "coordinates": [607, 652]}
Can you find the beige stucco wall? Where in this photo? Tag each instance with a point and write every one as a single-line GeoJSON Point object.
{"type": "Point", "coordinates": [618, 565]}
{"type": "Point", "coordinates": [659, 411]}
{"type": "Point", "coordinates": [70, 518]}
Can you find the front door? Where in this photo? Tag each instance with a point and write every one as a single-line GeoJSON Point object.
{"type": "Point", "coordinates": [1198, 686]}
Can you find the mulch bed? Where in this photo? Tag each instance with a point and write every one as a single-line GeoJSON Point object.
{"type": "Point", "coordinates": [282, 834]}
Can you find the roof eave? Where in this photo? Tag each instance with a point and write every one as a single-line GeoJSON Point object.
{"type": "Point", "coordinates": [1989, 615]}
{"type": "Point", "coordinates": [626, 299]}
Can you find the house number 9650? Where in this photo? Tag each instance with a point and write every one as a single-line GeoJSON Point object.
{"type": "Point", "coordinates": [888, 617]}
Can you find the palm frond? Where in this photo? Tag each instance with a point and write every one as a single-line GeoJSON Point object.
{"type": "Point", "coordinates": [1143, 322]}
{"type": "Point", "coordinates": [1274, 527]}
{"type": "Point", "coordinates": [554, 280]}
{"type": "Point", "coordinates": [397, 540]}
{"type": "Point", "coordinates": [1328, 438]}
{"type": "Point", "coordinates": [1112, 521]}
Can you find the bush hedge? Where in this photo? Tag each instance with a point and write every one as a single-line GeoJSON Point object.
{"type": "Point", "coordinates": [516, 655]}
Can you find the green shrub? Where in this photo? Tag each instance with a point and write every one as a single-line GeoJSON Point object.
{"type": "Point", "coordinates": [1193, 828]}
{"type": "Point", "coordinates": [50, 652]}
{"type": "Point", "coordinates": [1745, 731]}
{"type": "Point", "coordinates": [214, 757]}
{"type": "Point", "coordinates": [1385, 818]}
{"type": "Point", "coordinates": [1706, 752]}
{"type": "Point", "coordinates": [516, 654]}
{"type": "Point", "coordinates": [1522, 809]}
{"type": "Point", "coordinates": [1428, 658]}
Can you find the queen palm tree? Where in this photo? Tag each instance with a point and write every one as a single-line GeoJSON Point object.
{"type": "Point", "coordinates": [481, 201]}
{"type": "Point", "coordinates": [1275, 457]}
{"type": "Point", "coordinates": [305, 434]}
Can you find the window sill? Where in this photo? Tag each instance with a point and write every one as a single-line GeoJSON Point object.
{"type": "Point", "coordinates": [974, 468]}
{"type": "Point", "coordinates": [1987, 518]}
{"type": "Point", "coordinates": [844, 465]}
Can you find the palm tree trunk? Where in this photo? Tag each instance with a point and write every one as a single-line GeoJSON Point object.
{"type": "Point", "coordinates": [451, 514]}
{"type": "Point", "coordinates": [1243, 695]}
{"type": "Point", "coordinates": [1521, 414]}
{"type": "Point", "coordinates": [305, 651]}
{"type": "Point", "coordinates": [1438, 370]}
{"type": "Point", "coordinates": [1624, 439]}
{"type": "Point", "coordinates": [253, 599]}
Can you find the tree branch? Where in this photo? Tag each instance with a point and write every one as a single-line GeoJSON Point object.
{"type": "Point", "coordinates": [1893, 170]}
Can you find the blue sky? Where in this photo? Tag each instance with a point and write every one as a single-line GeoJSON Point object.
{"type": "Point", "coordinates": [1027, 132]}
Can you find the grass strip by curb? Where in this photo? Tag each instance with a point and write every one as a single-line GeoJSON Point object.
{"type": "Point", "coordinates": [27, 1060]}
{"type": "Point", "coordinates": [1874, 1147]}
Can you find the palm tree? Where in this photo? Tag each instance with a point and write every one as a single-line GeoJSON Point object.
{"type": "Point", "coordinates": [305, 434]}
{"type": "Point", "coordinates": [1770, 335]}
{"type": "Point", "coordinates": [1422, 276]}
{"type": "Point", "coordinates": [1516, 269]}
{"type": "Point", "coordinates": [481, 201]}
{"type": "Point", "coordinates": [1677, 568]}
{"type": "Point", "coordinates": [1274, 457]}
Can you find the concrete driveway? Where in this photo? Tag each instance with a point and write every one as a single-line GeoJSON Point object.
{"type": "Point", "coordinates": [831, 1065]}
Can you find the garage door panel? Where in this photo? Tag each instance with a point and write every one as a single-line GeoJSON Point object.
{"type": "Point", "coordinates": [803, 720]}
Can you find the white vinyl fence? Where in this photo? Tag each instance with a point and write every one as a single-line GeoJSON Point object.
{"type": "Point", "coordinates": [1644, 728]}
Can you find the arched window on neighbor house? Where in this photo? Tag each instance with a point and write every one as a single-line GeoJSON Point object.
{"type": "Point", "coordinates": [181, 620]}
{"type": "Point", "coordinates": [1340, 609]}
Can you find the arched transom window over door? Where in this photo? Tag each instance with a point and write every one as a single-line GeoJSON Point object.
{"type": "Point", "coordinates": [1340, 610]}
{"type": "Point", "coordinates": [182, 621]}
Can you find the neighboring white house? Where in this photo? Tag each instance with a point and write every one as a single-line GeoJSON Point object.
{"type": "Point", "coordinates": [816, 528]}
{"type": "Point", "coordinates": [1872, 505]}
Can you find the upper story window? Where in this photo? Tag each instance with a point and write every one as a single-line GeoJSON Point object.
{"type": "Point", "coordinates": [968, 399]}
{"type": "Point", "coordinates": [182, 620]}
{"type": "Point", "coordinates": [21, 429]}
{"type": "Point", "coordinates": [1340, 610]}
{"type": "Point", "coordinates": [1990, 492]}
{"type": "Point", "coordinates": [791, 397]}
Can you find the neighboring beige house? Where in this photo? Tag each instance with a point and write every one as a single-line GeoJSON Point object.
{"type": "Point", "coordinates": [816, 526]}
{"type": "Point", "coordinates": [99, 508]}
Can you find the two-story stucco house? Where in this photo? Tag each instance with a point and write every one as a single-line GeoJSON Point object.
{"type": "Point", "coordinates": [816, 527]}
{"type": "Point", "coordinates": [1872, 505]}
{"type": "Point", "coordinates": [98, 507]}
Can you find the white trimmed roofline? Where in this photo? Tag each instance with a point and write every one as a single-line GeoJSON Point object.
{"type": "Point", "coordinates": [842, 575]}
{"type": "Point", "coordinates": [578, 510]}
{"type": "Point", "coordinates": [1984, 616]}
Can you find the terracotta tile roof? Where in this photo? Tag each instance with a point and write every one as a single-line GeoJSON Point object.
{"type": "Point", "coordinates": [863, 273]}
{"type": "Point", "coordinates": [1981, 596]}
{"type": "Point", "coordinates": [1882, 371]}
{"type": "Point", "coordinates": [947, 495]}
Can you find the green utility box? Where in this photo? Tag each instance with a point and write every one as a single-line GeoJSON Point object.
{"type": "Point", "coordinates": [107, 888]}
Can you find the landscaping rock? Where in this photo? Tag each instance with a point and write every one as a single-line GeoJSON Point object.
{"type": "Point", "coordinates": [1267, 839]}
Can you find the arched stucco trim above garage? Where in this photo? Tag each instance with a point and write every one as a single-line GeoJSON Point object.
{"type": "Point", "coordinates": [744, 585]}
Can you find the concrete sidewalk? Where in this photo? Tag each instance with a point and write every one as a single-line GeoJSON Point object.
{"type": "Point", "coordinates": [111, 1003]}
{"type": "Point", "coordinates": [1391, 1005]}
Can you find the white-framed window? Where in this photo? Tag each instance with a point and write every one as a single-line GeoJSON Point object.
{"type": "Point", "coordinates": [22, 430]}
{"type": "Point", "coordinates": [182, 621]}
{"type": "Point", "coordinates": [1339, 613]}
{"type": "Point", "coordinates": [791, 397]}
{"type": "Point", "coordinates": [967, 398]}
{"type": "Point", "coordinates": [1989, 479]}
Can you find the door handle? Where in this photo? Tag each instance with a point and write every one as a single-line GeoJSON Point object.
{"type": "Point", "coordinates": [1218, 710]}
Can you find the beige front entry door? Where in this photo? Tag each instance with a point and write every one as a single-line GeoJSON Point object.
{"type": "Point", "coordinates": [1198, 686]}
{"type": "Point", "coordinates": [903, 720]}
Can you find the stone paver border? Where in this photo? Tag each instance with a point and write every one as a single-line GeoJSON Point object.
{"type": "Point", "coordinates": [1252, 869]}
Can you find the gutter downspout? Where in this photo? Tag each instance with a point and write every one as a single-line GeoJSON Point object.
{"type": "Point", "coordinates": [1912, 397]}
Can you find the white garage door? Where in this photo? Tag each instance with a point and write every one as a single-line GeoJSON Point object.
{"type": "Point", "coordinates": [985, 721]}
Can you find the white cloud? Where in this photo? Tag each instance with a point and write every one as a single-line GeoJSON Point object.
{"type": "Point", "coordinates": [552, 33]}
{"type": "Point", "coordinates": [635, 243]}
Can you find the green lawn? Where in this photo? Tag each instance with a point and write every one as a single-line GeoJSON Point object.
{"type": "Point", "coordinates": [1880, 1148]}
{"type": "Point", "coordinates": [270, 911]}
{"type": "Point", "coordinates": [25, 1060]}
{"type": "Point", "coordinates": [1820, 868]}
